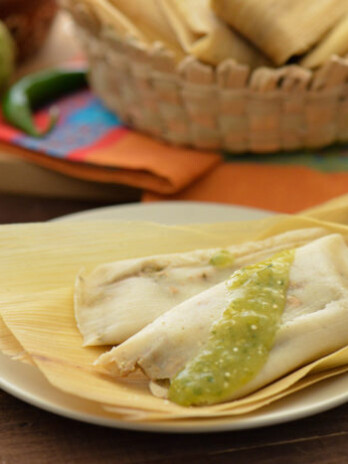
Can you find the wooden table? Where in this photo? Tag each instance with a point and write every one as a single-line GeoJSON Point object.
{"type": "Point", "coordinates": [29, 435]}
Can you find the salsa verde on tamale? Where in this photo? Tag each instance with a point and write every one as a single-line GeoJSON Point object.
{"type": "Point", "coordinates": [240, 341]}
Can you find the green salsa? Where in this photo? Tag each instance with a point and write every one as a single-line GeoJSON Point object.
{"type": "Point", "coordinates": [240, 341]}
{"type": "Point", "coordinates": [222, 259]}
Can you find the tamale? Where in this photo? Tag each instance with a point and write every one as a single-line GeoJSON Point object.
{"type": "Point", "coordinates": [10, 346]}
{"type": "Point", "coordinates": [112, 18]}
{"type": "Point", "coordinates": [43, 321]}
{"type": "Point", "coordinates": [209, 345]}
{"type": "Point", "coordinates": [118, 299]}
{"type": "Point", "coordinates": [204, 36]}
{"type": "Point", "coordinates": [282, 28]}
{"type": "Point", "coordinates": [148, 18]}
{"type": "Point", "coordinates": [44, 324]}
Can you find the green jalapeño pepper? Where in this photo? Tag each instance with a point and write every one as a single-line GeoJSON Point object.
{"type": "Point", "coordinates": [35, 90]}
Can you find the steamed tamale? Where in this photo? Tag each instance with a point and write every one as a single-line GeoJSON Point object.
{"type": "Point", "coordinates": [262, 323]}
{"type": "Point", "coordinates": [148, 18]}
{"type": "Point", "coordinates": [282, 28]}
{"type": "Point", "coordinates": [101, 12]}
{"type": "Point", "coordinates": [36, 305]}
{"type": "Point", "coordinates": [122, 20]}
{"type": "Point", "coordinates": [118, 299]}
{"type": "Point", "coordinates": [204, 36]}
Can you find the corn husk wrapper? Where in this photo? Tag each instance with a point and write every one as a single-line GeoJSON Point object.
{"type": "Point", "coordinates": [10, 346]}
{"type": "Point", "coordinates": [204, 36]}
{"type": "Point", "coordinates": [334, 43]}
{"type": "Point", "coordinates": [36, 306]}
{"type": "Point", "coordinates": [123, 20]}
{"type": "Point", "coordinates": [335, 210]}
{"type": "Point", "coordinates": [282, 28]}
{"type": "Point", "coordinates": [87, 247]}
{"type": "Point", "coordinates": [183, 27]}
{"type": "Point", "coordinates": [101, 12]}
{"type": "Point", "coordinates": [149, 19]}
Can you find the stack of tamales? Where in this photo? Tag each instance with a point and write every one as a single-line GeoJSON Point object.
{"type": "Point", "coordinates": [251, 32]}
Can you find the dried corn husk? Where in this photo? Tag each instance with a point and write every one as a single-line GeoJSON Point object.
{"type": "Point", "coordinates": [334, 43]}
{"type": "Point", "coordinates": [36, 305]}
{"type": "Point", "coordinates": [93, 13]}
{"type": "Point", "coordinates": [148, 18]}
{"type": "Point", "coordinates": [10, 346]}
{"type": "Point", "coordinates": [121, 20]}
{"type": "Point", "coordinates": [69, 247]}
{"type": "Point", "coordinates": [183, 27]}
{"type": "Point", "coordinates": [282, 28]}
{"type": "Point", "coordinates": [204, 36]}
{"type": "Point", "coordinates": [335, 210]}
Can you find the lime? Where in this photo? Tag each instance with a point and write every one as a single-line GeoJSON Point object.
{"type": "Point", "coordinates": [7, 56]}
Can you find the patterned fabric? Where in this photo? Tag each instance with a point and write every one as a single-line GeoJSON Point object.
{"type": "Point", "coordinates": [89, 142]}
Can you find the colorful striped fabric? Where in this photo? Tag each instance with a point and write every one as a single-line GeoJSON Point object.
{"type": "Point", "coordinates": [91, 143]}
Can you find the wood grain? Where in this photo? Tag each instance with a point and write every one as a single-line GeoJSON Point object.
{"type": "Point", "coordinates": [29, 435]}
{"type": "Point", "coordinates": [15, 208]}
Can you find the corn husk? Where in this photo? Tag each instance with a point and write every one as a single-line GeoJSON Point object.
{"type": "Point", "coordinates": [120, 19]}
{"type": "Point", "coordinates": [183, 27]}
{"type": "Point", "coordinates": [84, 247]}
{"type": "Point", "coordinates": [204, 36]}
{"type": "Point", "coordinates": [334, 43]}
{"type": "Point", "coordinates": [36, 305]}
{"type": "Point", "coordinates": [335, 210]}
{"type": "Point", "coordinates": [149, 19]}
{"type": "Point", "coordinates": [99, 12]}
{"type": "Point", "coordinates": [120, 298]}
{"type": "Point", "coordinates": [282, 28]}
{"type": "Point", "coordinates": [10, 346]}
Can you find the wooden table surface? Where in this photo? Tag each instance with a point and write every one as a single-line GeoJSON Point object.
{"type": "Point", "coordinates": [29, 435]}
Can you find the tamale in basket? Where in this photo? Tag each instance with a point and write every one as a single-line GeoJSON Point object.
{"type": "Point", "coordinates": [157, 89]}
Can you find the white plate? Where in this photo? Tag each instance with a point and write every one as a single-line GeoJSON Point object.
{"type": "Point", "coordinates": [27, 383]}
{"type": "Point", "coordinates": [174, 212]}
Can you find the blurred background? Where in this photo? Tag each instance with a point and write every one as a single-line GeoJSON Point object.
{"type": "Point", "coordinates": [178, 106]}
{"type": "Point", "coordinates": [44, 37]}
{"type": "Point", "coordinates": [29, 24]}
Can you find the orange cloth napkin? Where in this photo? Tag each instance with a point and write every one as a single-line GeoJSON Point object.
{"type": "Point", "coordinates": [276, 187]}
{"type": "Point", "coordinates": [146, 164]}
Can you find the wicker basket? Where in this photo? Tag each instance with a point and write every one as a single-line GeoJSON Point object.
{"type": "Point", "coordinates": [228, 107]}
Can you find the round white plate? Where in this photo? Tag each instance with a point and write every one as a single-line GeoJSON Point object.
{"type": "Point", "coordinates": [28, 384]}
{"type": "Point", "coordinates": [173, 212]}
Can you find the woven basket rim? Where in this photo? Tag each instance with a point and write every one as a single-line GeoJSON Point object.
{"type": "Point", "coordinates": [228, 107]}
{"type": "Point", "coordinates": [311, 79]}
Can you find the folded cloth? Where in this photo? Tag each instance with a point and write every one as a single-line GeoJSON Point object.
{"type": "Point", "coordinates": [286, 183]}
{"type": "Point", "coordinates": [90, 143]}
